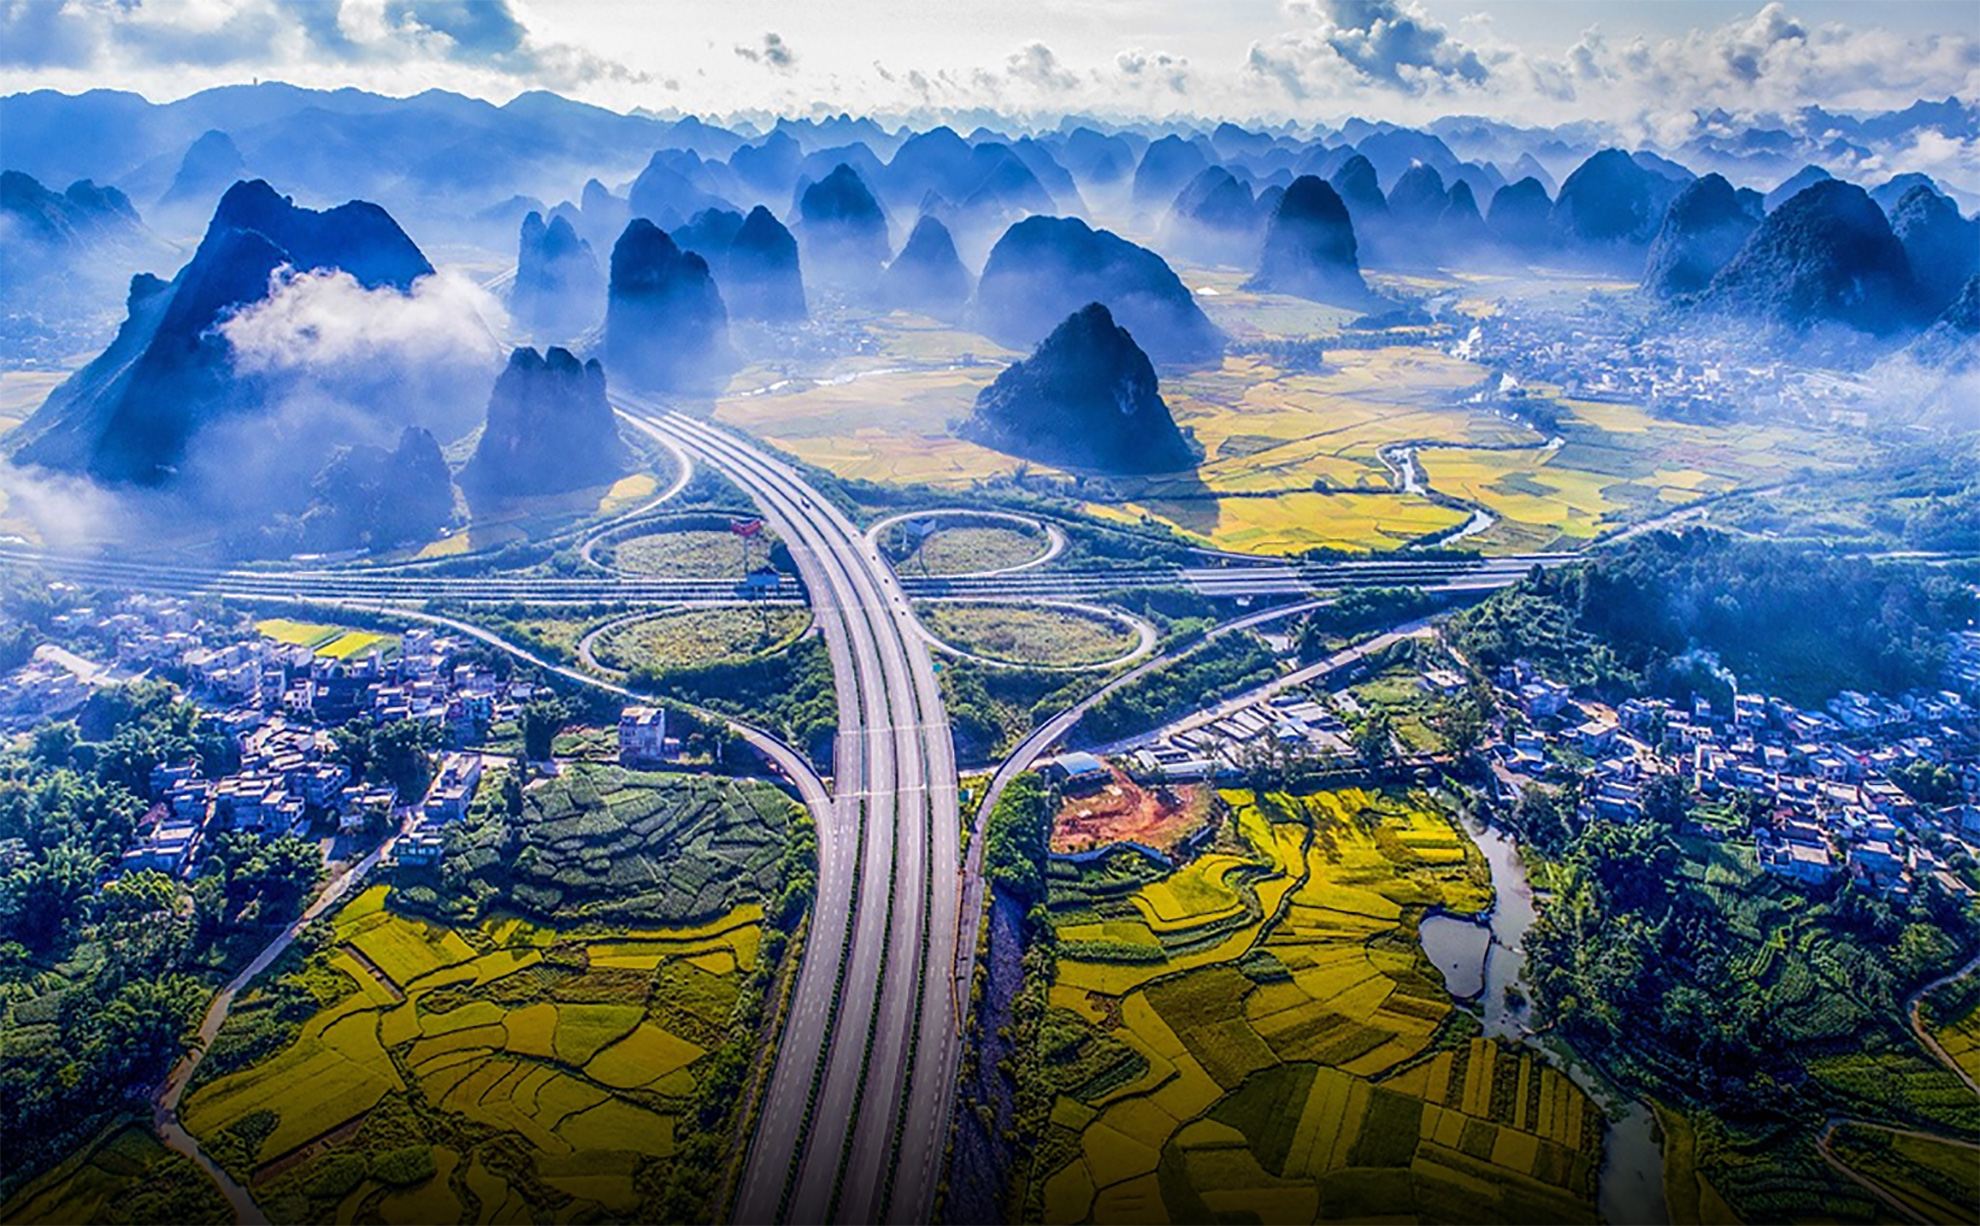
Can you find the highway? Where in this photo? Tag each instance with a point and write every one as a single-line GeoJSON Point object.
{"type": "Point", "coordinates": [854, 1125]}
{"type": "Point", "coordinates": [419, 586]}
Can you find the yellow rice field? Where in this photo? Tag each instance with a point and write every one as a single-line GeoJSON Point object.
{"type": "Point", "coordinates": [571, 1054]}
{"type": "Point", "coordinates": [1300, 1066]}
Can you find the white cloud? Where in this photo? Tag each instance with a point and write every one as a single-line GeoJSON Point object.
{"type": "Point", "coordinates": [326, 322]}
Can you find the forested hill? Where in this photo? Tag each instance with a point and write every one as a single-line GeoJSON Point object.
{"type": "Point", "coordinates": [1793, 621]}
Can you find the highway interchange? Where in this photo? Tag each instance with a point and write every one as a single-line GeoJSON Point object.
{"type": "Point", "coordinates": [855, 1121]}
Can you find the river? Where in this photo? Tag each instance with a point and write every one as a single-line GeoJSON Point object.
{"type": "Point", "coordinates": [1483, 961]}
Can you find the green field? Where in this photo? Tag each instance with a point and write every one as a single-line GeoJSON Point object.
{"type": "Point", "coordinates": [965, 548]}
{"type": "Point", "coordinates": [330, 641]}
{"type": "Point", "coordinates": [1035, 634]}
{"type": "Point", "coordinates": [1259, 1037]}
{"type": "Point", "coordinates": [699, 636]}
{"type": "Point", "coordinates": [688, 553]}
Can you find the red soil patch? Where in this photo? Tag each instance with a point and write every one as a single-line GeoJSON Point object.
{"type": "Point", "coordinates": [1124, 811]}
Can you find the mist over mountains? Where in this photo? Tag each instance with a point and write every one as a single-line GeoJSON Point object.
{"type": "Point", "coordinates": [311, 330]}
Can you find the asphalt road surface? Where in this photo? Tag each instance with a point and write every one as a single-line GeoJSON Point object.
{"type": "Point", "coordinates": [854, 1126]}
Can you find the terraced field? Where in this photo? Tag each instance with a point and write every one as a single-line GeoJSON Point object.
{"type": "Point", "coordinates": [549, 1069]}
{"type": "Point", "coordinates": [583, 1016]}
{"type": "Point", "coordinates": [1259, 1036]}
{"type": "Point", "coordinates": [126, 1176]}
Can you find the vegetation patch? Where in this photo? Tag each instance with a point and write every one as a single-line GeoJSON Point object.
{"type": "Point", "coordinates": [698, 636]}
{"type": "Point", "coordinates": [688, 553]}
{"type": "Point", "coordinates": [958, 547]}
{"type": "Point", "coordinates": [1034, 634]}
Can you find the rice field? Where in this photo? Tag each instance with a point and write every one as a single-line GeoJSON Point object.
{"type": "Point", "coordinates": [126, 1175]}
{"type": "Point", "coordinates": [1293, 459]}
{"type": "Point", "coordinates": [1028, 634]}
{"type": "Point", "coordinates": [546, 1069]}
{"type": "Point", "coordinates": [699, 636]}
{"type": "Point", "coordinates": [329, 641]}
{"type": "Point", "coordinates": [1289, 1053]}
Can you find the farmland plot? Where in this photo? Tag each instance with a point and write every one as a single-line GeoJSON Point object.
{"type": "Point", "coordinates": [1261, 1037]}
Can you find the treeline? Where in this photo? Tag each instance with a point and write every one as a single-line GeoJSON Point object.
{"type": "Point", "coordinates": [102, 980]}
{"type": "Point", "coordinates": [1665, 611]}
{"type": "Point", "coordinates": [1226, 666]}
{"type": "Point", "coordinates": [788, 693]}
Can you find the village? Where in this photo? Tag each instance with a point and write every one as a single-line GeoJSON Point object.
{"type": "Point", "coordinates": [1815, 790]}
{"type": "Point", "coordinates": [277, 703]}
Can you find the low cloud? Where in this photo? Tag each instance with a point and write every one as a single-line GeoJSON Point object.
{"type": "Point", "coordinates": [773, 52]}
{"type": "Point", "coordinates": [325, 322]}
{"type": "Point", "coordinates": [67, 512]}
{"type": "Point", "coordinates": [1346, 45]}
{"type": "Point", "coordinates": [1036, 65]}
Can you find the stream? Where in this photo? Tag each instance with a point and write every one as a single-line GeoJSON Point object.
{"type": "Point", "coordinates": [1481, 961]}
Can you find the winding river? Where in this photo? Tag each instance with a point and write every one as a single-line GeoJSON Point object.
{"type": "Point", "coordinates": [1482, 961]}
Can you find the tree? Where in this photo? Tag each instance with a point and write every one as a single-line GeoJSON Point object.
{"type": "Point", "coordinates": [1373, 738]}
{"type": "Point", "coordinates": [542, 719]}
{"type": "Point", "coordinates": [1666, 802]}
{"type": "Point", "coordinates": [1462, 725]}
{"type": "Point", "coordinates": [44, 898]}
{"type": "Point", "coordinates": [401, 752]}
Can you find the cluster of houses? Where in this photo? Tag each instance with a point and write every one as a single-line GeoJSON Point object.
{"type": "Point", "coordinates": [1816, 785]}
{"type": "Point", "coordinates": [1599, 353]}
{"type": "Point", "coordinates": [276, 701]}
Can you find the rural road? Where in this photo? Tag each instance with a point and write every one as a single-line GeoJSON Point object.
{"type": "Point", "coordinates": [165, 1102]}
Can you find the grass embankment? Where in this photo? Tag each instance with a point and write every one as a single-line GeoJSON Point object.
{"type": "Point", "coordinates": [1033, 635]}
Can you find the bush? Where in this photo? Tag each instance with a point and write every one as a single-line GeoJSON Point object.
{"type": "Point", "coordinates": [402, 1168]}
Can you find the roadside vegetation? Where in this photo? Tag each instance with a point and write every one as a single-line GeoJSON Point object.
{"type": "Point", "coordinates": [691, 637]}
{"type": "Point", "coordinates": [964, 548]}
{"type": "Point", "coordinates": [1230, 665]}
{"type": "Point", "coordinates": [1029, 634]}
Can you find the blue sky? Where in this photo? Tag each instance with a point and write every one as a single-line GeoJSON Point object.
{"type": "Point", "coordinates": [1643, 66]}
